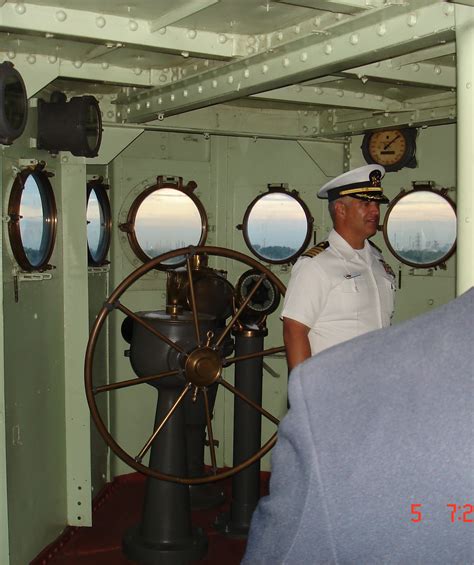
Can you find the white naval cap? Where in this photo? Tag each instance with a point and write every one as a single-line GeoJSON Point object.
{"type": "Point", "coordinates": [362, 183]}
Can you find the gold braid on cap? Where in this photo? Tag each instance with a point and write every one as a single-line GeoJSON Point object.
{"type": "Point", "coordinates": [360, 189]}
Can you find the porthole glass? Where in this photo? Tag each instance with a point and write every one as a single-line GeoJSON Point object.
{"type": "Point", "coordinates": [277, 226]}
{"type": "Point", "coordinates": [32, 225]}
{"type": "Point", "coordinates": [420, 228]}
{"type": "Point", "coordinates": [165, 217]}
{"type": "Point", "coordinates": [98, 223]}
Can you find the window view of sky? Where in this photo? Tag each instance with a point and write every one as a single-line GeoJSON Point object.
{"type": "Point", "coordinates": [167, 219]}
{"type": "Point", "coordinates": [32, 221]}
{"type": "Point", "coordinates": [422, 220]}
{"type": "Point", "coordinates": [277, 226]}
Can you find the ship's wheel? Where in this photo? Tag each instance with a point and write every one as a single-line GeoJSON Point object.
{"type": "Point", "coordinates": [199, 367]}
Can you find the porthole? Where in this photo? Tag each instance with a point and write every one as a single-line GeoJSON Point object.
{"type": "Point", "coordinates": [33, 219]}
{"type": "Point", "coordinates": [165, 217]}
{"type": "Point", "coordinates": [98, 223]}
{"type": "Point", "coordinates": [277, 225]}
{"type": "Point", "coordinates": [420, 226]}
{"type": "Point", "coordinates": [13, 103]}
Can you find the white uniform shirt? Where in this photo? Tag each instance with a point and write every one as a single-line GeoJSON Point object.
{"type": "Point", "coordinates": [340, 293]}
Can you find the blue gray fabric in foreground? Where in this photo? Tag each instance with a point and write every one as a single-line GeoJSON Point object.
{"type": "Point", "coordinates": [374, 463]}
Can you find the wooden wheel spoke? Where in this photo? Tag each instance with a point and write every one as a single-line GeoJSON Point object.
{"type": "Point", "coordinates": [254, 355]}
{"type": "Point", "coordinates": [134, 381]}
{"type": "Point", "coordinates": [147, 445]}
{"type": "Point", "coordinates": [151, 329]}
{"type": "Point", "coordinates": [193, 301]}
{"type": "Point", "coordinates": [240, 310]}
{"type": "Point", "coordinates": [251, 403]}
{"type": "Point", "coordinates": [209, 432]}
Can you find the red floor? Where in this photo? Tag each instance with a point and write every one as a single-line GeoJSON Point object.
{"type": "Point", "coordinates": [118, 508]}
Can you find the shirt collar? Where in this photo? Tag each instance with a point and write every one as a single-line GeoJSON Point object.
{"type": "Point", "coordinates": [340, 244]}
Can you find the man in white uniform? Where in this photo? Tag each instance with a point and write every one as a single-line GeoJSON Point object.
{"type": "Point", "coordinates": [342, 287]}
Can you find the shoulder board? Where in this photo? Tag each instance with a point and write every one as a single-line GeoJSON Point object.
{"type": "Point", "coordinates": [375, 246]}
{"type": "Point", "coordinates": [316, 250]}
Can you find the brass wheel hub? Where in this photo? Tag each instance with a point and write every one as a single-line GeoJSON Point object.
{"type": "Point", "coordinates": [203, 366]}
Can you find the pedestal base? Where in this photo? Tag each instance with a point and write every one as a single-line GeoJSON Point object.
{"type": "Point", "coordinates": [175, 553]}
{"type": "Point", "coordinates": [224, 525]}
{"type": "Point", "coordinates": [206, 496]}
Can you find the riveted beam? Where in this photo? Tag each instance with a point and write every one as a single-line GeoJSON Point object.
{"type": "Point", "coordinates": [299, 60]}
{"type": "Point", "coordinates": [338, 122]}
{"type": "Point", "coordinates": [339, 6]}
{"type": "Point", "coordinates": [85, 25]}
{"type": "Point", "coordinates": [419, 74]}
{"type": "Point", "coordinates": [334, 97]}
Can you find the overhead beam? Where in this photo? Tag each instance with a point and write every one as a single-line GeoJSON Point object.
{"type": "Point", "coordinates": [178, 14]}
{"type": "Point", "coordinates": [421, 74]}
{"type": "Point", "coordinates": [338, 6]}
{"type": "Point", "coordinates": [425, 54]}
{"type": "Point", "coordinates": [333, 97]}
{"type": "Point", "coordinates": [300, 60]}
{"type": "Point", "coordinates": [134, 32]}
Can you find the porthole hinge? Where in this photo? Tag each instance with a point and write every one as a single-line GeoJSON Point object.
{"type": "Point", "coordinates": [126, 227]}
{"type": "Point", "coordinates": [13, 218]}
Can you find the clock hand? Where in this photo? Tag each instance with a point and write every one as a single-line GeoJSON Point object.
{"type": "Point", "coordinates": [390, 142]}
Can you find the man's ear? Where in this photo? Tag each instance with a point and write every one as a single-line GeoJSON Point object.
{"type": "Point", "coordinates": [340, 209]}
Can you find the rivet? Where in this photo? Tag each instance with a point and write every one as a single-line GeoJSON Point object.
{"type": "Point", "coordinates": [380, 98]}
{"type": "Point", "coordinates": [328, 49]}
{"type": "Point", "coordinates": [354, 39]}
{"type": "Point", "coordinates": [322, 130]}
{"type": "Point", "coordinates": [185, 54]}
{"type": "Point", "coordinates": [132, 25]}
{"type": "Point", "coordinates": [185, 93]}
{"type": "Point", "coordinates": [222, 38]}
{"type": "Point", "coordinates": [448, 9]}
{"type": "Point", "coordinates": [250, 50]}
{"type": "Point", "coordinates": [304, 57]}
{"type": "Point", "coordinates": [280, 36]}
{"type": "Point", "coordinates": [31, 59]}
{"type": "Point", "coordinates": [315, 130]}
{"type": "Point", "coordinates": [335, 128]}
{"type": "Point", "coordinates": [339, 16]}
{"type": "Point", "coordinates": [364, 124]}
{"type": "Point", "coordinates": [52, 59]}
{"type": "Point", "coordinates": [305, 129]}
{"type": "Point", "coordinates": [20, 8]}
{"type": "Point", "coordinates": [183, 72]}
{"type": "Point", "coordinates": [61, 16]}
{"type": "Point", "coordinates": [11, 54]}
{"type": "Point", "coordinates": [415, 67]}
{"type": "Point", "coordinates": [138, 106]}
{"type": "Point", "coordinates": [192, 34]}
{"type": "Point", "coordinates": [64, 159]}
{"type": "Point", "coordinates": [359, 95]}
{"type": "Point", "coordinates": [214, 83]}
{"type": "Point", "coordinates": [298, 88]}
{"type": "Point", "coordinates": [162, 78]}
{"type": "Point", "coordinates": [148, 104]}
{"type": "Point", "coordinates": [264, 69]}
{"type": "Point", "coordinates": [137, 71]}
{"type": "Point", "coordinates": [340, 93]}
{"type": "Point", "coordinates": [251, 40]}
{"type": "Point", "coordinates": [110, 114]}
{"type": "Point", "coordinates": [350, 126]}
{"type": "Point", "coordinates": [381, 29]}
{"type": "Point", "coordinates": [318, 90]}
{"type": "Point", "coordinates": [411, 20]}
{"type": "Point", "coordinates": [162, 30]}
{"type": "Point", "coordinates": [246, 73]}
{"type": "Point", "coordinates": [437, 69]}
{"type": "Point", "coordinates": [468, 85]}
{"type": "Point", "coordinates": [105, 65]}
{"type": "Point", "coordinates": [206, 62]}
{"type": "Point", "coordinates": [317, 22]}
{"type": "Point", "coordinates": [160, 100]}
{"type": "Point", "coordinates": [200, 89]}
{"type": "Point", "coordinates": [230, 79]}
{"type": "Point", "coordinates": [379, 122]}
{"type": "Point", "coordinates": [128, 110]}
{"type": "Point", "coordinates": [100, 21]}
{"type": "Point", "coordinates": [432, 113]}
{"type": "Point", "coordinates": [77, 64]}
{"type": "Point", "coordinates": [395, 119]}
{"type": "Point", "coordinates": [286, 62]}
{"type": "Point", "coordinates": [297, 29]}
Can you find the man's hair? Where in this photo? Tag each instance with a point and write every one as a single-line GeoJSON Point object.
{"type": "Point", "coordinates": [332, 206]}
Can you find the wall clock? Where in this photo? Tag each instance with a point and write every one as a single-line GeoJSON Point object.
{"type": "Point", "coordinates": [393, 149]}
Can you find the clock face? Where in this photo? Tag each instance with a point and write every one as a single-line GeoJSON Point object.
{"type": "Point", "coordinates": [393, 149]}
{"type": "Point", "coordinates": [387, 147]}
